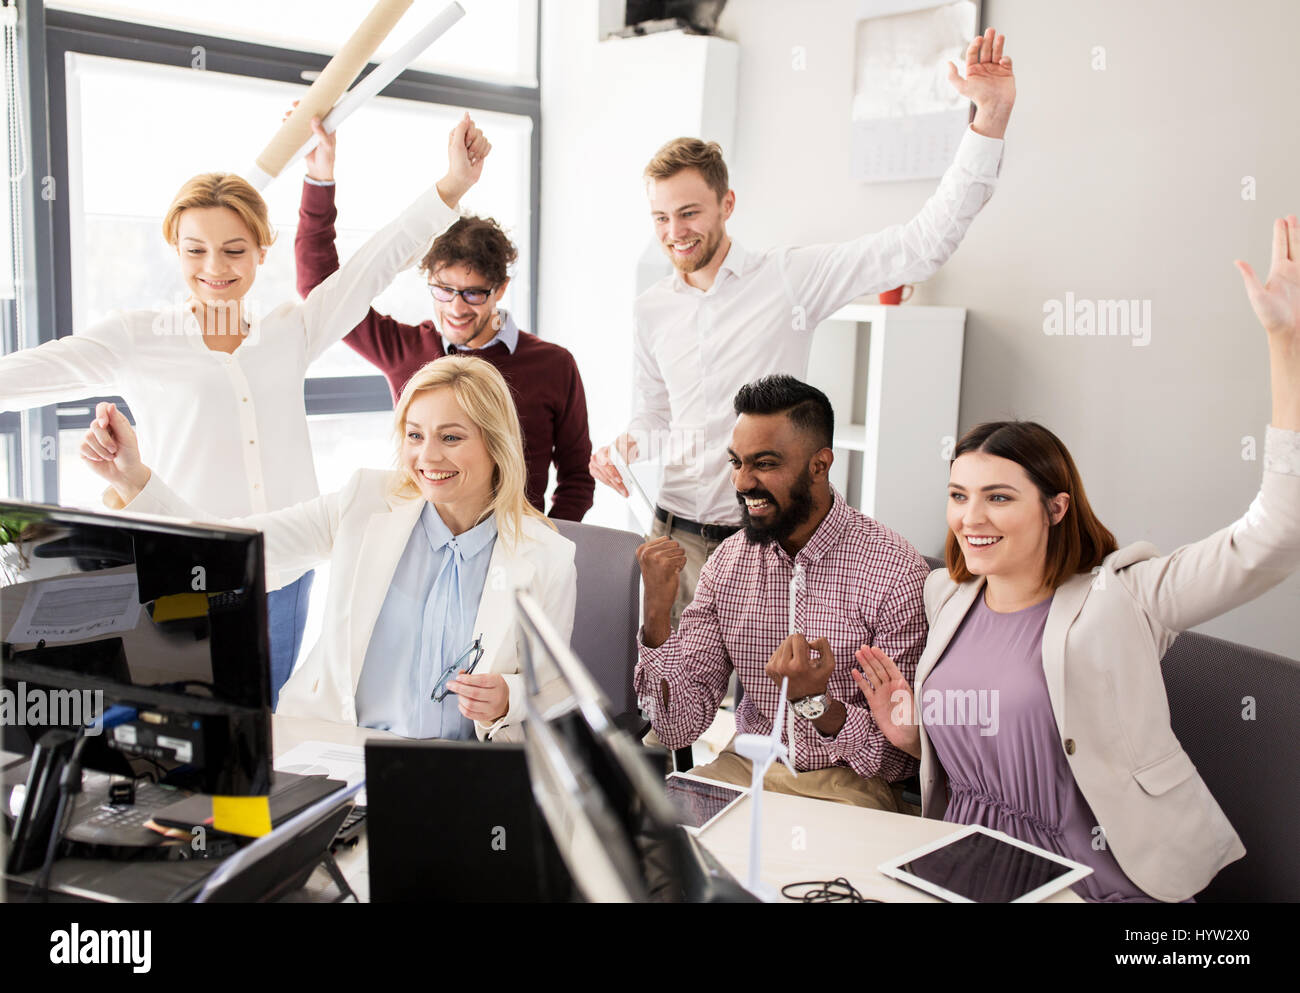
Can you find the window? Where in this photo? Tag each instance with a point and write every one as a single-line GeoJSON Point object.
{"type": "Point", "coordinates": [496, 40]}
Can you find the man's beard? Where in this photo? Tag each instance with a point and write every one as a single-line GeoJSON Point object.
{"type": "Point", "coordinates": [708, 249]}
{"type": "Point", "coordinates": [786, 520]}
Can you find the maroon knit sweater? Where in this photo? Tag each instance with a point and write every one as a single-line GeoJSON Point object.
{"type": "Point", "coordinates": [542, 376]}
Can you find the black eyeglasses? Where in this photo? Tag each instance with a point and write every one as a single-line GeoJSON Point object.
{"type": "Point", "coordinates": [474, 297]}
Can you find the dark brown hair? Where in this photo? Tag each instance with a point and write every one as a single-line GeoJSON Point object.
{"type": "Point", "coordinates": [691, 153]}
{"type": "Point", "coordinates": [1075, 544]}
{"type": "Point", "coordinates": [477, 242]}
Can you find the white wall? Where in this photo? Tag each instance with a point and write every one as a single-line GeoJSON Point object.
{"type": "Point", "coordinates": [1122, 183]}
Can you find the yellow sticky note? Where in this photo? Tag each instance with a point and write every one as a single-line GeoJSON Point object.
{"type": "Point", "coordinates": [180, 606]}
{"type": "Point", "coordinates": [246, 815]}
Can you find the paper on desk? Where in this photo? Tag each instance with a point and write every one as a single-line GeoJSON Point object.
{"type": "Point", "coordinates": [321, 758]}
{"type": "Point", "coordinates": [76, 608]}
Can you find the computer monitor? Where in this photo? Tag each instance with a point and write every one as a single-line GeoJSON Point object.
{"type": "Point", "coordinates": [163, 620]}
{"type": "Point", "coordinates": [619, 835]}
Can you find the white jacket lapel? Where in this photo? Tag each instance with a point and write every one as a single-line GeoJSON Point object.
{"type": "Point", "coordinates": [496, 609]}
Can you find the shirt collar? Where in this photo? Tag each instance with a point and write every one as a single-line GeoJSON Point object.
{"type": "Point", "coordinates": [827, 535]}
{"type": "Point", "coordinates": [469, 544]}
{"type": "Point", "coordinates": [733, 262]}
{"type": "Point", "coordinates": [508, 335]}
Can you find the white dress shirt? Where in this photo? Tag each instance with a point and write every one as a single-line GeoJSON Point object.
{"type": "Point", "coordinates": [693, 349]}
{"type": "Point", "coordinates": [228, 432]}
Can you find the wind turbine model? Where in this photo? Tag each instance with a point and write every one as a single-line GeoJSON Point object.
{"type": "Point", "coordinates": [762, 750]}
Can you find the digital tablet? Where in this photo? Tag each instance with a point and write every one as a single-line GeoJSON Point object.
{"type": "Point", "coordinates": [978, 865]}
{"type": "Point", "coordinates": [701, 801]}
{"type": "Point", "coordinates": [642, 506]}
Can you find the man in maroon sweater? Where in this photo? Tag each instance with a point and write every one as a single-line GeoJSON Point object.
{"type": "Point", "coordinates": [467, 269]}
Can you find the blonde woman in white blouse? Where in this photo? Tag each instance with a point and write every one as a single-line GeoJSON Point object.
{"type": "Point", "coordinates": [215, 385]}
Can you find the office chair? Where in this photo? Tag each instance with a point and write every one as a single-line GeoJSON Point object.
{"type": "Point", "coordinates": [608, 613]}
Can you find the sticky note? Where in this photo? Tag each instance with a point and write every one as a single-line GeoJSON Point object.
{"type": "Point", "coordinates": [246, 815]}
{"type": "Point", "coordinates": [180, 606]}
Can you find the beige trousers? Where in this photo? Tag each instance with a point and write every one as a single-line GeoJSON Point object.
{"type": "Point", "coordinates": [838, 783]}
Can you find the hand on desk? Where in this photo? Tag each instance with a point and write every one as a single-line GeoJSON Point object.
{"type": "Point", "coordinates": [483, 696]}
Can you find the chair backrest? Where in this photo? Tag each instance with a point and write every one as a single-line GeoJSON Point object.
{"type": "Point", "coordinates": [608, 614]}
{"type": "Point", "coordinates": [1235, 710]}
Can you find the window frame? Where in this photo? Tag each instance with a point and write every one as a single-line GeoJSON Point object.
{"type": "Point", "coordinates": [55, 33]}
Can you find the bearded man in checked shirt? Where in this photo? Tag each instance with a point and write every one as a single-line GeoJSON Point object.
{"type": "Point", "coordinates": [859, 584]}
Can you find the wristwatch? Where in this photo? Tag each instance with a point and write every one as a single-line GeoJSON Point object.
{"type": "Point", "coordinates": [810, 707]}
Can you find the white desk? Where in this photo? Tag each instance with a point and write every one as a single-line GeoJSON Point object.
{"type": "Point", "coordinates": [803, 839]}
{"type": "Point", "coordinates": [289, 732]}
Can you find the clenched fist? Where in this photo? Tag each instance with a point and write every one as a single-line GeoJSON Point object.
{"type": "Point", "coordinates": [662, 561]}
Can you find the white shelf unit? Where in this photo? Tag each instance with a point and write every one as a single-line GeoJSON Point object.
{"type": "Point", "coordinates": [896, 407]}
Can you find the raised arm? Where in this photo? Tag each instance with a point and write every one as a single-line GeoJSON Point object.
{"type": "Point", "coordinates": [80, 365]}
{"type": "Point", "coordinates": [1233, 566]}
{"type": "Point", "coordinates": [295, 538]}
{"type": "Point", "coordinates": [823, 278]}
{"type": "Point", "coordinates": [342, 300]}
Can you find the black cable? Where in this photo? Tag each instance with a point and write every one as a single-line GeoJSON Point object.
{"type": "Point", "coordinates": [69, 786]}
{"type": "Point", "coordinates": [835, 891]}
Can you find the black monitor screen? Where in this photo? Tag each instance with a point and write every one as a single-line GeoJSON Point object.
{"type": "Point", "coordinates": [166, 621]}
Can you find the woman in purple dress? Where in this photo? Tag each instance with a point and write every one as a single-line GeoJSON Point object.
{"type": "Point", "coordinates": [1040, 709]}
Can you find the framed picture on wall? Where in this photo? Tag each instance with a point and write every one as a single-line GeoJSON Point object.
{"type": "Point", "coordinates": [907, 118]}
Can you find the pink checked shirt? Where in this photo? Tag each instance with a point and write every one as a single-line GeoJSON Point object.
{"type": "Point", "coordinates": [862, 585]}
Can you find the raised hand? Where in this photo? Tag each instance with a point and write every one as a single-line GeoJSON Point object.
{"type": "Point", "coordinates": [889, 696]}
{"type": "Point", "coordinates": [1277, 302]}
{"type": "Point", "coordinates": [1277, 305]}
{"type": "Point", "coordinates": [990, 83]}
{"type": "Point", "coordinates": [110, 449]}
{"type": "Point", "coordinates": [467, 147]}
{"type": "Point", "coordinates": [320, 160]}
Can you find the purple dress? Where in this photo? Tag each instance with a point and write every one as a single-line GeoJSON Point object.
{"type": "Point", "coordinates": [1003, 756]}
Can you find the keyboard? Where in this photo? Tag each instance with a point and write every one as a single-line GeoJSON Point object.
{"type": "Point", "coordinates": [350, 830]}
{"type": "Point", "coordinates": [123, 824]}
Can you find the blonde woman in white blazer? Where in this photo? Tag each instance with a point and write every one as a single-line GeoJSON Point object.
{"type": "Point", "coordinates": [1039, 606]}
{"type": "Point", "coordinates": [459, 481]}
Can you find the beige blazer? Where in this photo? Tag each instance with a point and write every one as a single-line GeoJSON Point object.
{"type": "Point", "coordinates": [362, 531]}
{"type": "Point", "coordinates": [1102, 645]}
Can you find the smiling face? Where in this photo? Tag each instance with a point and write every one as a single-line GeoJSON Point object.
{"type": "Point", "coordinates": [444, 452]}
{"type": "Point", "coordinates": [997, 514]}
{"type": "Point", "coordinates": [689, 219]}
{"type": "Point", "coordinates": [219, 254]}
{"type": "Point", "coordinates": [464, 324]}
{"type": "Point", "coordinates": [780, 480]}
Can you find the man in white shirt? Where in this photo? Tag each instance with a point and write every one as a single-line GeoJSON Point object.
{"type": "Point", "coordinates": [728, 316]}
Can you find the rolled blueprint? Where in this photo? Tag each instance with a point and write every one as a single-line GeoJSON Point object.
{"type": "Point", "coordinates": [384, 73]}
{"type": "Point", "coordinates": [333, 81]}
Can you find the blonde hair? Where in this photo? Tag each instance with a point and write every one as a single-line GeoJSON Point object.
{"type": "Point", "coordinates": [691, 153]}
{"type": "Point", "coordinates": [483, 394]}
{"type": "Point", "coordinates": [220, 189]}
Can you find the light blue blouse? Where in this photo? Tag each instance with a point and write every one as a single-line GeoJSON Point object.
{"type": "Point", "coordinates": [425, 625]}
